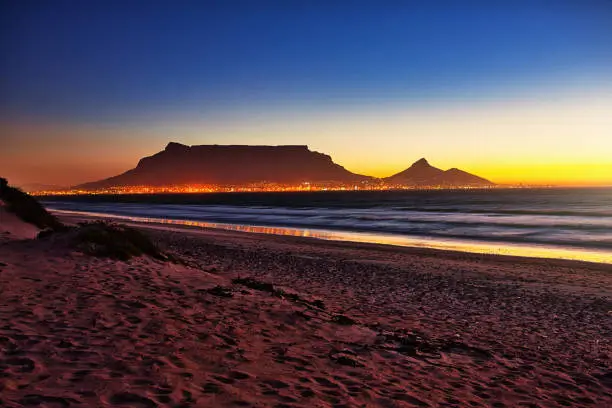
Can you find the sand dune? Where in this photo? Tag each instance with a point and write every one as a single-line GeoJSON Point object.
{"type": "Point", "coordinates": [12, 228]}
{"type": "Point", "coordinates": [305, 324]}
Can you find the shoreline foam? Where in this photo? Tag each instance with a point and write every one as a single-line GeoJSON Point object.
{"type": "Point", "coordinates": [476, 247]}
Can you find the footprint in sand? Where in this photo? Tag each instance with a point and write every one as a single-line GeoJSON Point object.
{"type": "Point", "coordinates": [399, 396]}
{"type": "Point", "coordinates": [224, 380]}
{"type": "Point", "coordinates": [80, 375]}
{"type": "Point", "coordinates": [326, 383]}
{"type": "Point", "coordinates": [239, 375]}
{"type": "Point", "coordinates": [211, 388]}
{"type": "Point", "coordinates": [21, 364]}
{"type": "Point", "coordinates": [277, 384]}
{"type": "Point", "coordinates": [128, 398]}
{"type": "Point", "coordinates": [37, 399]}
{"type": "Point", "coordinates": [307, 393]}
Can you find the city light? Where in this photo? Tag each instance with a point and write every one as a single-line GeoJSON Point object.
{"type": "Point", "coordinates": [254, 188]}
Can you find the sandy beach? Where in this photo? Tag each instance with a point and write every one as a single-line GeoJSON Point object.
{"type": "Point", "coordinates": [261, 320]}
{"type": "Point", "coordinates": [305, 204]}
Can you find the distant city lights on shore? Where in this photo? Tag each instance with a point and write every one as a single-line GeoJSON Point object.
{"type": "Point", "coordinates": [258, 187]}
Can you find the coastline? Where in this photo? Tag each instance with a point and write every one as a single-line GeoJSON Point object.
{"type": "Point", "coordinates": [492, 248]}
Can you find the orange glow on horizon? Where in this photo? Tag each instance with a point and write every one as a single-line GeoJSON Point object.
{"type": "Point", "coordinates": [585, 174]}
{"type": "Point", "coordinates": [556, 141]}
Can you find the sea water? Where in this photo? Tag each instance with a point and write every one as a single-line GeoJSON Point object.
{"type": "Point", "coordinates": [516, 221]}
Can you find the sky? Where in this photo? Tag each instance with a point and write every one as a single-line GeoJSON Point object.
{"type": "Point", "coordinates": [517, 91]}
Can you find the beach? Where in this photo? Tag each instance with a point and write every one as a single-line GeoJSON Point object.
{"type": "Point", "coordinates": [262, 320]}
{"type": "Point", "coordinates": [305, 204]}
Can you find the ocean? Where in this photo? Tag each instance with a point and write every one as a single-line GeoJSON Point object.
{"type": "Point", "coordinates": [572, 223]}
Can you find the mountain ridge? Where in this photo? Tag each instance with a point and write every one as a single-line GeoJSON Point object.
{"type": "Point", "coordinates": [179, 164]}
{"type": "Point", "coordinates": [421, 173]}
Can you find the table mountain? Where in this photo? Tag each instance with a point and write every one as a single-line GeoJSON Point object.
{"type": "Point", "coordinates": [179, 164]}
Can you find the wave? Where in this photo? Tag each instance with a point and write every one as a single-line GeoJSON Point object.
{"type": "Point", "coordinates": [484, 224]}
{"type": "Point", "coordinates": [580, 213]}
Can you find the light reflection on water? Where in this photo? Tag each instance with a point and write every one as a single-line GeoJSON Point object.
{"type": "Point", "coordinates": [535, 251]}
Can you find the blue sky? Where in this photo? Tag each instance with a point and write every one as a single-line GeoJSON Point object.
{"type": "Point", "coordinates": [128, 64]}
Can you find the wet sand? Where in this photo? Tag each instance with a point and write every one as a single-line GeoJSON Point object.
{"type": "Point", "coordinates": [344, 324]}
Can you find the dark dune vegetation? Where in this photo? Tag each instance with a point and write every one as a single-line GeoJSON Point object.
{"type": "Point", "coordinates": [98, 238]}
{"type": "Point", "coordinates": [27, 207]}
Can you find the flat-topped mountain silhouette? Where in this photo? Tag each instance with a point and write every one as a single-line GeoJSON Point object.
{"type": "Point", "coordinates": [421, 173]}
{"type": "Point", "coordinates": [179, 164]}
{"type": "Point", "coordinates": [237, 165]}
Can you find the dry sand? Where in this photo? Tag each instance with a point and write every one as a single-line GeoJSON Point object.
{"type": "Point", "coordinates": [12, 228]}
{"type": "Point", "coordinates": [400, 326]}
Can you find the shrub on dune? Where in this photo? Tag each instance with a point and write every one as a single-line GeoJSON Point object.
{"type": "Point", "coordinates": [27, 208]}
{"type": "Point", "coordinates": [94, 238]}
{"type": "Point", "coordinates": [115, 241]}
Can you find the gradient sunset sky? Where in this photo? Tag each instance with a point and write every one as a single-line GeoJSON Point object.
{"type": "Point", "coordinates": [516, 91]}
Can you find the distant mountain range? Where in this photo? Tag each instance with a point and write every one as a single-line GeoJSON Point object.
{"type": "Point", "coordinates": [421, 173]}
{"type": "Point", "coordinates": [179, 164]}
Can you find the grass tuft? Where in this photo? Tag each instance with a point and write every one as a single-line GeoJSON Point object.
{"type": "Point", "coordinates": [115, 241]}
